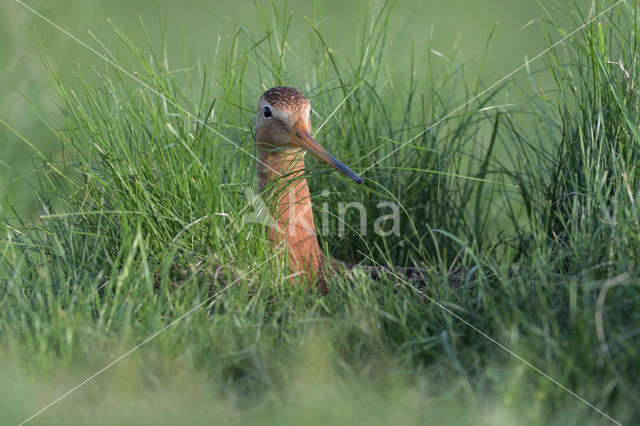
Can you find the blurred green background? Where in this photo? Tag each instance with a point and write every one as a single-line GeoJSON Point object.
{"type": "Point", "coordinates": [196, 28]}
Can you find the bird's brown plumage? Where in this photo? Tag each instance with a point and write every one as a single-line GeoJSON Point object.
{"type": "Point", "coordinates": [283, 135]}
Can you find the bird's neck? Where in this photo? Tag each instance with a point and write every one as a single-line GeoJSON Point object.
{"type": "Point", "coordinates": [282, 184]}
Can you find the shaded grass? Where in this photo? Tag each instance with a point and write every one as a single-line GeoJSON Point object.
{"type": "Point", "coordinates": [146, 219]}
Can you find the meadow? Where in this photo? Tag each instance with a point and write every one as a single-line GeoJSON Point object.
{"type": "Point", "coordinates": [136, 289]}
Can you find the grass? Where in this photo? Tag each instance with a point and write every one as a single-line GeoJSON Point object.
{"type": "Point", "coordinates": [145, 219]}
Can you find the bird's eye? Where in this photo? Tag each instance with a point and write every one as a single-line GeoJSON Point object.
{"type": "Point", "coordinates": [267, 112]}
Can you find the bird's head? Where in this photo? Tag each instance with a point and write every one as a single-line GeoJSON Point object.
{"type": "Point", "coordinates": [284, 122]}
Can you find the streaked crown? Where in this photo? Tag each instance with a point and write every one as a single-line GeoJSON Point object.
{"type": "Point", "coordinates": [286, 104]}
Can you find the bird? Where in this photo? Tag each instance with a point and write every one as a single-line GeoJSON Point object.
{"type": "Point", "coordinates": [283, 137]}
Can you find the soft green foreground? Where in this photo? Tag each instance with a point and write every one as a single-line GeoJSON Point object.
{"type": "Point", "coordinates": [144, 220]}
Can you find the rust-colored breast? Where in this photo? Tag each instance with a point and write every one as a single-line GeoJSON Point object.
{"type": "Point", "coordinates": [289, 202]}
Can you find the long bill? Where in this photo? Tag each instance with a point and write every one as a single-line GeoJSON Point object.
{"type": "Point", "coordinates": [304, 140]}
